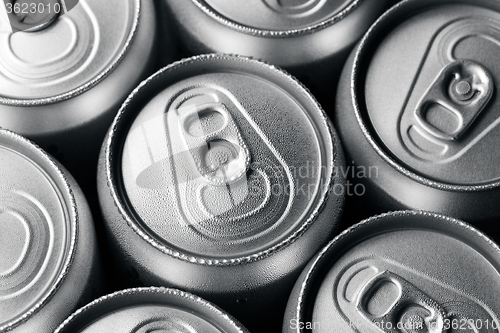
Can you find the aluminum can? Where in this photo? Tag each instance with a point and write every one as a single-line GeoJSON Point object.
{"type": "Point", "coordinates": [406, 271]}
{"type": "Point", "coordinates": [218, 176]}
{"type": "Point", "coordinates": [309, 38]}
{"type": "Point", "coordinates": [151, 310]}
{"type": "Point", "coordinates": [48, 262]}
{"type": "Point", "coordinates": [61, 85]}
{"type": "Point", "coordinates": [418, 102]}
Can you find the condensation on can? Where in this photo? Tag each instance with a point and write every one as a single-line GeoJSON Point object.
{"type": "Point", "coordinates": [49, 261]}
{"type": "Point", "coordinates": [309, 38]}
{"type": "Point", "coordinates": [223, 174]}
{"type": "Point", "coordinates": [417, 100]}
{"type": "Point", "coordinates": [61, 86]}
{"type": "Point", "coordinates": [405, 271]}
{"type": "Point", "coordinates": [151, 309]}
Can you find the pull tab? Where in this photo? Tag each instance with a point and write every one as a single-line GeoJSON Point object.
{"type": "Point", "coordinates": [34, 15]}
{"type": "Point", "coordinates": [395, 305]}
{"type": "Point", "coordinates": [455, 99]}
{"type": "Point", "coordinates": [215, 143]}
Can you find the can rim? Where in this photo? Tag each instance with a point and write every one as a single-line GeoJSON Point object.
{"type": "Point", "coordinates": [112, 143]}
{"type": "Point", "coordinates": [71, 206]}
{"type": "Point", "coordinates": [90, 84]}
{"type": "Point", "coordinates": [362, 55]}
{"type": "Point", "coordinates": [277, 33]}
{"type": "Point", "coordinates": [169, 292]}
{"type": "Point", "coordinates": [305, 298]}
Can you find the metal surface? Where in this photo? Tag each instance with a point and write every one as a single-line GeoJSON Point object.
{"type": "Point", "coordinates": [46, 239]}
{"type": "Point", "coordinates": [61, 86]}
{"type": "Point", "coordinates": [91, 41]}
{"type": "Point", "coordinates": [148, 310]}
{"type": "Point", "coordinates": [424, 123]}
{"type": "Point", "coordinates": [311, 39]}
{"type": "Point", "coordinates": [406, 271]}
{"type": "Point", "coordinates": [417, 101]}
{"type": "Point", "coordinates": [222, 168]}
{"type": "Point", "coordinates": [278, 18]}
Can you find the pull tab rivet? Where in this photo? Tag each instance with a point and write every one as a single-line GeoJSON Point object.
{"type": "Point", "coordinates": [217, 158]}
{"type": "Point", "coordinates": [415, 324]}
{"type": "Point", "coordinates": [463, 88]}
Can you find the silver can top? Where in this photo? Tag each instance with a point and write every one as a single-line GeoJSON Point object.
{"type": "Point", "coordinates": [151, 310]}
{"type": "Point", "coordinates": [69, 56]}
{"type": "Point", "coordinates": [406, 272]}
{"type": "Point", "coordinates": [228, 159]}
{"type": "Point", "coordinates": [431, 90]}
{"type": "Point", "coordinates": [277, 17]}
{"type": "Point", "coordinates": [38, 229]}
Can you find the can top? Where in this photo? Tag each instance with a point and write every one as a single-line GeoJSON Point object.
{"type": "Point", "coordinates": [38, 228]}
{"type": "Point", "coordinates": [70, 55]}
{"type": "Point", "coordinates": [407, 272]}
{"type": "Point", "coordinates": [278, 17]}
{"type": "Point", "coordinates": [151, 310]}
{"type": "Point", "coordinates": [431, 80]}
{"type": "Point", "coordinates": [228, 159]}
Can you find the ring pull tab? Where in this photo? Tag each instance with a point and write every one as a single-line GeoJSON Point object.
{"type": "Point", "coordinates": [34, 16]}
{"type": "Point", "coordinates": [455, 99]}
{"type": "Point", "coordinates": [394, 305]}
{"type": "Point", "coordinates": [215, 143]}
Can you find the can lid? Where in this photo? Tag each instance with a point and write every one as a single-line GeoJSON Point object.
{"type": "Point", "coordinates": [68, 56]}
{"type": "Point", "coordinates": [151, 310]}
{"type": "Point", "coordinates": [227, 160]}
{"type": "Point", "coordinates": [406, 272]}
{"type": "Point", "coordinates": [24, 16]}
{"type": "Point", "coordinates": [431, 89]}
{"type": "Point", "coordinates": [278, 17]}
{"type": "Point", "coordinates": [37, 229]}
